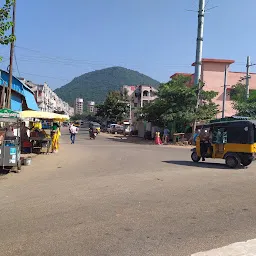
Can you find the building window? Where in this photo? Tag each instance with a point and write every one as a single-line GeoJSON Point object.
{"type": "Point", "coordinates": [145, 93]}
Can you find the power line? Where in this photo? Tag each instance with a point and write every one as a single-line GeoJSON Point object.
{"type": "Point", "coordinates": [51, 77]}
{"type": "Point", "coordinates": [16, 63]}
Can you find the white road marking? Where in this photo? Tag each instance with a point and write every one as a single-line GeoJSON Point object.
{"type": "Point", "coordinates": [247, 248]}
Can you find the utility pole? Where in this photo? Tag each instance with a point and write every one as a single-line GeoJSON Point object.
{"type": "Point", "coordinates": [224, 93]}
{"type": "Point", "coordinates": [199, 52]}
{"type": "Point", "coordinates": [199, 42]}
{"type": "Point", "coordinates": [247, 77]}
{"type": "Point", "coordinates": [9, 90]}
{"type": "Point", "coordinates": [130, 114]}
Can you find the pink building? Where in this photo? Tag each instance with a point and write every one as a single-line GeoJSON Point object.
{"type": "Point", "coordinates": [213, 76]}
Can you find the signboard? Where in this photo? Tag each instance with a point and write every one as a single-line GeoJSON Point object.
{"type": "Point", "coordinates": [8, 113]}
{"type": "Point", "coordinates": [12, 151]}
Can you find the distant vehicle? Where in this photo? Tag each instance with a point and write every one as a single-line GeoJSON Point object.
{"type": "Point", "coordinates": [65, 124]}
{"type": "Point", "coordinates": [77, 124]}
{"type": "Point", "coordinates": [127, 128]}
{"type": "Point", "coordinates": [115, 128]}
{"type": "Point", "coordinates": [111, 128]}
{"type": "Point", "coordinates": [95, 126]}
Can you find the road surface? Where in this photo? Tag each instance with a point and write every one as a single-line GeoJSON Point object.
{"type": "Point", "coordinates": [109, 197]}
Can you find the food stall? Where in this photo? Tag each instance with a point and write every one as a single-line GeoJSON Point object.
{"type": "Point", "coordinates": [10, 140]}
{"type": "Point", "coordinates": [40, 140]}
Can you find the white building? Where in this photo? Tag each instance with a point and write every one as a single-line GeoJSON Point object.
{"type": "Point", "coordinates": [139, 96]}
{"type": "Point", "coordinates": [79, 106]}
{"type": "Point", "coordinates": [47, 100]}
{"type": "Point", "coordinates": [91, 107]}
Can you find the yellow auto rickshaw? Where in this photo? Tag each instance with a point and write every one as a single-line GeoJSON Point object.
{"type": "Point", "coordinates": [77, 124]}
{"type": "Point", "coordinates": [234, 141]}
{"type": "Point", "coordinates": [95, 126]}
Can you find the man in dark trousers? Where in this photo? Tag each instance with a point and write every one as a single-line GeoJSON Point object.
{"type": "Point", "coordinates": [73, 131]}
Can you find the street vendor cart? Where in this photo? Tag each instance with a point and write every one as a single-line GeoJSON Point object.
{"type": "Point", "coordinates": [10, 142]}
{"type": "Point", "coordinates": [40, 140]}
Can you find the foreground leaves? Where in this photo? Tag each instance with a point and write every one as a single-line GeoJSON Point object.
{"type": "Point", "coordinates": [244, 107]}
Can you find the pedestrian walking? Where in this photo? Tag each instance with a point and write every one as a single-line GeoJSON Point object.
{"type": "Point", "coordinates": [73, 131]}
{"type": "Point", "coordinates": [166, 135]}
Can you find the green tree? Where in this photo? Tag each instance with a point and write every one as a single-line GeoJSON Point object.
{"type": "Point", "coordinates": [114, 108]}
{"type": "Point", "coordinates": [6, 23]}
{"type": "Point", "coordinates": [243, 106]}
{"type": "Point", "coordinates": [176, 103]}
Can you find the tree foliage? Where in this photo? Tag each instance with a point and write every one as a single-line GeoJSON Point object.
{"type": "Point", "coordinates": [6, 23]}
{"type": "Point", "coordinates": [115, 108]}
{"type": "Point", "coordinates": [177, 103]}
{"type": "Point", "coordinates": [243, 106]}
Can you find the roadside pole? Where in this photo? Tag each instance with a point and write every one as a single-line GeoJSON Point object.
{"type": "Point", "coordinates": [9, 90]}
{"type": "Point", "coordinates": [199, 52]}
{"type": "Point", "coordinates": [224, 93]}
{"type": "Point", "coordinates": [247, 77]}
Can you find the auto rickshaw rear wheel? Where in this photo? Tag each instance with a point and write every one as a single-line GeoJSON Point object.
{"type": "Point", "coordinates": [246, 160]}
{"type": "Point", "coordinates": [195, 158]}
{"type": "Point", "coordinates": [233, 161]}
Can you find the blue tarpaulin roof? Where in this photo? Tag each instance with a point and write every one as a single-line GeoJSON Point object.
{"type": "Point", "coordinates": [30, 100]}
{"type": "Point", "coordinates": [21, 90]}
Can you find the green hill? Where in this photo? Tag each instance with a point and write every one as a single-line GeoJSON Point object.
{"type": "Point", "coordinates": [94, 86]}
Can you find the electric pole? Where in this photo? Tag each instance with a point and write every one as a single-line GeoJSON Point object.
{"type": "Point", "coordinates": [247, 77]}
{"type": "Point", "coordinates": [9, 90]}
{"type": "Point", "coordinates": [224, 93]}
{"type": "Point", "coordinates": [199, 41]}
{"type": "Point", "coordinates": [199, 52]}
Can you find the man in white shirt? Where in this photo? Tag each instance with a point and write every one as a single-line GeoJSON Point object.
{"type": "Point", "coordinates": [73, 131]}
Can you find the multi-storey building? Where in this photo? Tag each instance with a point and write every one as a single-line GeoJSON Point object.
{"type": "Point", "coordinates": [138, 96]}
{"type": "Point", "coordinates": [47, 100]}
{"type": "Point", "coordinates": [91, 107]}
{"type": "Point", "coordinates": [79, 106]}
{"type": "Point", "coordinates": [212, 74]}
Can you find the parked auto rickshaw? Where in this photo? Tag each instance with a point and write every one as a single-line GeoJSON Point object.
{"type": "Point", "coordinates": [234, 141]}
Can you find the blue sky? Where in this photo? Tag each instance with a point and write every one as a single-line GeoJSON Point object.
{"type": "Point", "coordinates": [58, 40]}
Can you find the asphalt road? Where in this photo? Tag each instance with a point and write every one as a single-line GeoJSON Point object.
{"type": "Point", "coordinates": [109, 197]}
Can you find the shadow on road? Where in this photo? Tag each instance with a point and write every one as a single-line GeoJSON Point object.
{"type": "Point", "coordinates": [200, 165]}
{"type": "Point", "coordinates": [133, 140]}
{"type": "Point", "coordinates": [4, 172]}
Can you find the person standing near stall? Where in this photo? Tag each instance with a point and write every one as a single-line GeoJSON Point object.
{"type": "Point", "coordinates": [55, 138]}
